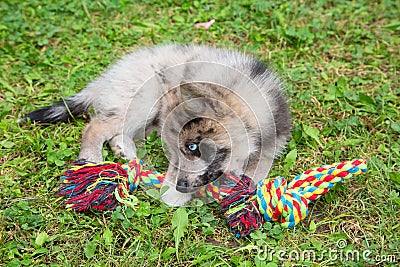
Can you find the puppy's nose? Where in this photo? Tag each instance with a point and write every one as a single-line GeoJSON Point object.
{"type": "Point", "coordinates": [182, 183]}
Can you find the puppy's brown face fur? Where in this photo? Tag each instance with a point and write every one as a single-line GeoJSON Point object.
{"type": "Point", "coordinates": [205, 151]}
{"type": "Point", "coordinates": [198, 144]}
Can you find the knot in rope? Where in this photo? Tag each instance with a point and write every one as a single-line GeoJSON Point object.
{"type": "Point", "coordinates": [276, 200]}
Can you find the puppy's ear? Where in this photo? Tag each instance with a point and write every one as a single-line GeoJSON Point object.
{"type": "Point", "coordinates": [190, 91]}
{"type": "Point", "coordinates": [199, 98]}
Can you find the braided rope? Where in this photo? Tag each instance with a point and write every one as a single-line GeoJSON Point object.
{"type": "Point", "coordinates": [246, 205]}
{"type": "Point", "coordinates": [288, 203]}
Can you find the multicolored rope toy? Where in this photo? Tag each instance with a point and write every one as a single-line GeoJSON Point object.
{"type": "Point", "coordinates": [245, 204]}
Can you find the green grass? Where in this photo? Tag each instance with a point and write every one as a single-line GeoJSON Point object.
{"type": "Point", "coordinates": [341, 63]}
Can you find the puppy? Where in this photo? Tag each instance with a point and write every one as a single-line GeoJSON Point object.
{"type": "Point", "coordinates": [217, 111]}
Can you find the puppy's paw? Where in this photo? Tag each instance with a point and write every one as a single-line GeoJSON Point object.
{"type": "Point", "coordinates": [118, 151]}
{"type": "Point", "coordinates": [123, 147]}
{"type": "Point", "coordinates": [173, 198]}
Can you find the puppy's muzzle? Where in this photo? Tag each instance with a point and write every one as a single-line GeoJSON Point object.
{"type": "Point", "coordinates": [184, 185]}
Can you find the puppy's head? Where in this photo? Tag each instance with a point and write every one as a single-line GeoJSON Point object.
{"type": "Point", "coordinates": [197, 142]}
{"type": "Point", "coordinates": [204, 153]}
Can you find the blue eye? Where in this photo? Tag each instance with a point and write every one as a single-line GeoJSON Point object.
{"type": "Point", "coordinates": [192, 147]}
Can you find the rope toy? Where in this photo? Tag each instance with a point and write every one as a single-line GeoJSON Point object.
{"type": "Point", "coordinates": [245, 204]}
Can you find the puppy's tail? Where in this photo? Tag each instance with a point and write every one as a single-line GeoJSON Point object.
{"type": "Point", "coordinates": [62, 111]}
